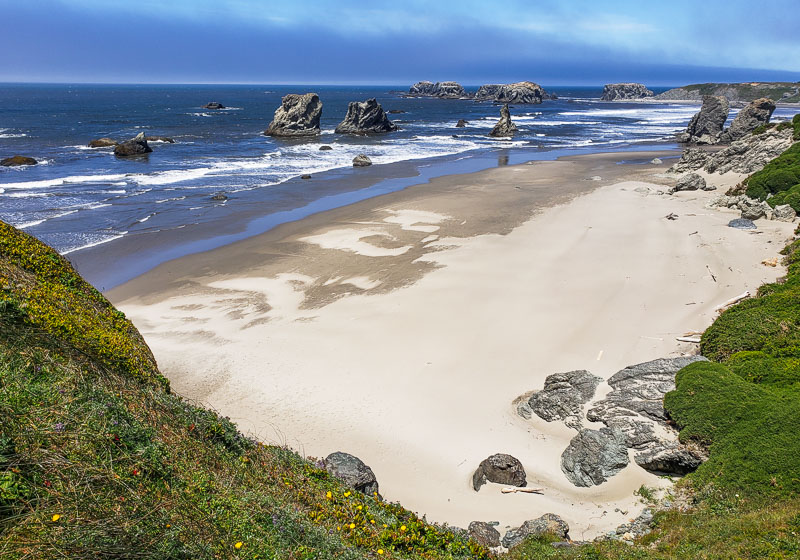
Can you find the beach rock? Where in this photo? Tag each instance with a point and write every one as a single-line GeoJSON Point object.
{"type": "Point", "coordinates": [750, 153]}
{"type": "Point", "coordinates": [741, 223]}
{"type": "Point", "coordinates": [564, 395]}
{"type": "Point", "coordinates": [395, 111]}
{"type": "Point", "coordinates": [504, 126]}
{"type": "Point", "coordinates": [213, 105]}
{"type": "Point", "coordinates": [366, 117]}
{"type": "Point", "coordinates": [136, 146]}
{"type": "Point", "coordinates": [15, 161]}
{"type": "Point", "coordinates": [690, 182]}
{"type": "Point", "coordinates": [692, 159]}
{"type": "Point", "coordinates": [361, 160]}
{"type": "Point", "coordinates": [104, 142]}
{"type": "Point", "coordinates": [164, 139]}
{"type": "Point", "coordinates": [461, 123]}
{"type": "Point", "coordinates": [656, 161]}
{"type": "Point", "coordinates": [669, 458]}
{"type": "Point", "coordinates": [754, 209]}
{"type": "Point", "coordinates": [499, 468]}
{"type": "Point", "coordinates": [219, 197]}
{"type": "Point", "coordinates": [784, 213]}
{"type": "Point", "coordinates": [639, 527]}
{"type": "Point", "coordinates": [706, 126]}
{"type": "Point", "coordinates": [324, 148]}
{"type": "Point", "coordinates": [306, 176]}
{"type": "Point", "coordinates": [352, 471]}
{"type": "Point", "coordinates": [447, 90]}
{"type": "Point", "coordinates": [623, 91]}
{"type": "Point", "coordinates": [635, 404]}
{"type": "Point", "coordinates": [484, 533]}
{"type": "Point", "coordinates": [297, 116]}
{"type": "Point", "coordinates": [757, 113]}
{"type": "Point", "coordinates": [594, 456]}
{"type": "Point", "coordinates": [520, 92]}
{"type": "Point", "coordinates": [548, 524]}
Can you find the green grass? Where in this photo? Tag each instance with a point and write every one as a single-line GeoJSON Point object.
{"type": "Point", "coordinates": [779, 175]}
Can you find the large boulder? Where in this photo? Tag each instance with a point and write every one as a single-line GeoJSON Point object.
{"type": "Point", "coordinates": [484, 533]}
{"type": "Point", "coordinates": [362, 160]}
{"type": "Point", "coordinates": [706, 126]}
{"type": "Point", "coordinates": [594, 456]}
{"type": "Point", "coordinates": [751, 152]}
{"type": "Point", "coordinates": [689, 182]}
{"type": "Point", "coordinates": [669, 458]}
{"type": "Point", "coordinates": [753, 209]}
{"type": "Point", "coordinates": [136, 146]}
{"type": "Point", "coordinates": [623, 91]}
{"type": "Point", "coordinates": [500, 468]}
{"type": "Point", "coordinates": [14, 161]}
{"type": "Point", "coordinates": [564, 395]}
{"type": "Point", "coordinates": [214, 105]}
{"type": "Point", "coordinates": [447, 90]}
{"type": "Point", "coordinates": [104, 142]}
{"type": "Point", "coordinates": [755, 114]}
{"type": "Point", "coordinates": [784, 213]}
{"type": "Point", "coordinates": [520, 92]}
{"type": "Point", "coordinates": [548, 524]}
{"type": "Point", "coordinates": [504, 126]}
{"type": "Point", "coordinates": [365, 117]}
{"type": "Point", "coordinates": [692, 159]}
{"type": "Point", "coordinates": [352, 471]}
{"type": "Point", "coordinates": [297, 116]}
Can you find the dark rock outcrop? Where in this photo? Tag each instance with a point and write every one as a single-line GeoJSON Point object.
{"type": "Point", "coordinates": [706, 126]}
{"type": "Point", "coordinates": [164, 139]}
{"type": "Point", "coordinates": [325, 148]}
{"type": "Point", "coordinates": [395, 111]}
{"type": "Point", "coordinates": [500, 468]}
{"type": "Point", "coordinates": [213, 105]}
{"type": "Point", "coordinates": [136, 146]}
{"type": "Point", "coordinates": [15, 161]}
{"type": "Point", "coordinates": [757, 113]}
{"type": "Point", "coordinates": [520, 92]}
{"type": "Point", "coordinates": [297, 116]}
{"type": "Point", "coordinates": [365, 117]}
{"type": "Point", "coordinates": [548, 524]}
{"type": "Point", "coordinates": [361, 160]}
{"type": "Point", "coordinates": [104, 142]}
{"type": "Point", "coordinates": [564, 395]}
{"type": "Point", "coordinates": [504, 126]}
{"type": "Point", "coordinates": [741, 223]}
{"type": "Point", "coordinates": [448, 90]}
{"type": "Point", "coordinates": [352, 471]}
{"type": "Point", "coordinates": [623, 91]}
{"type": "Point", "coordinates": [594, 456]}
{"type": "Point", "coordinates": [484, 533]}
{"type": "Point", "coordinates": [461, 123]}
{"type": "Point", "coordinates": [670, 458]}
{"type": "Point", "coordinates": [219, 197]}
{"type": "Point", "coordinates": [689, 182]}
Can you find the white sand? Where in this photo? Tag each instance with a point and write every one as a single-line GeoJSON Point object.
{"type": "Point", "coordinates": [419, 382]}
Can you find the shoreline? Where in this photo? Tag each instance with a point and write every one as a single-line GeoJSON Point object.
{"type": "Point", "coordinates": [402, 328]}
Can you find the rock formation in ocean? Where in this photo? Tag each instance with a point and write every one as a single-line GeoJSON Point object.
{"type": "Point", "coordinates": [706, 126]}
{"type": "Point", "coordinates": [136, 146]}
{"type": "Point", "coordinates": [461, 123]}
{"type": "Point", "coordinates": [365, 117]}
{"type": "Point", "coordinates": [594, 456]}
{"type": "Point", "coordinates": [104, 142]}
{"type": "Point", "coordinates": [500, 468]}
{"type": "Point", "coordinates": [504, 126]}
{"type": "Point", "coordinates": [447, 90]}
{"type": "Point", "coordinates": [564, 395]}
{"type": "Point", "coordinates": [164, 139]}
{"type": "Point", "coordinates": [484, 533]}
{"type": "Point", "coordinates": [756, 114]}
{"type": "Point", "coordinates": [297, 116]}
{"type": "Point", "coordinates": [622, 91]}
{"type": "Point", "coordinates": [548, 524]}
{"type": "Point", "coordinates": [520, 92]}
{"type": "Point", "coordinates": [352, 471]}
{"type": "Point", "coordinates": [15, 161]}
{"type": "Point", "coordinates": [214, 105]}
{"type": "Point", "coordinates": [361, 160]}
{"type": "Point", "coordinates": [325, 148]}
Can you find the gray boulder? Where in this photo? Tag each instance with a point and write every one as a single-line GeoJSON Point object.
{"type": "Point", "coordinates": [361, 160]}
{"type": "Point", "coordinates": [297, 116]}
{"type": "Point", "coordinates": [690, 182]}
{"type": "Point", "coordinates": [366, 117]}
{"type": "Point", "coordinates": [548, 524]}
{"type": "Point", "coordinates": [623, 91]}
{"type": "Point", "coordinates": [164, 139]}
{"type": "Point", "coordinates": [104, 142]}
{"type": "Point", "coordinates": [753, 209]}
{"type": "Point", "coordinates": [669, 458]}
{"type": "Point", "coordinates": [784, 213]}
{"type": "Point", "coordinates": [214, 105]}
{"type": "Point", "coordinates": [519, 92]}
{"type": "Point", "coordinates": [741, 223]}
{"type": "Point", "coordinates": [136, 146]}
{"type": "Point", "coordinates": [352, 471]}
{"type": "Point", "coordinates": [706, 126]}
{"type": "Point", "coordinates": [325, 148]}
{"type": "Point", "coordinates": [447, 90]}
{"type": "Point", "coordinates": [504, 126]}
{"type": "Point", "coordinates": [656, 161]}
{"type": "Point", "coordinates": [564, 395]}
{"type": "Point", "coordinates": [757, 113]}
{"type": "Point", "coordinates": [484, 533]}
{"type": "Point", "coordinates": [750, 153]}
{"type": "Point", "coordinates": [500, 468]}
{"type": "Point", "coordinates": [692, 159]}
{"type": "Point", "coordinates": [15, 161]}
{"type": "Point", "coordinates": [594, 456]}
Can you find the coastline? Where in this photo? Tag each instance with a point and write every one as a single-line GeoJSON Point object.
{"type": "Point", "coordinates": [465, 291]}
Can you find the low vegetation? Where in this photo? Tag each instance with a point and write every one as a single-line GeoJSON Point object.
{"type": "Point", "coordinates": [779, 181]}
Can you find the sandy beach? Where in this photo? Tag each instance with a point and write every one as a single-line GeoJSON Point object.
{"type": "Point", "coordinates": [401, 329]}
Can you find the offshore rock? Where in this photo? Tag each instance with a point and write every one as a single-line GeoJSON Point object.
{"type": "Point", "coordinates": [134, 147]}
{"type": "Point", "coordinates": [164, 139]}
{"type": "Point", "coordinates": [361, 160]}
{"type": "Point", "coordinates": [15, 161]}
{"type": "Point", "coordinates": [461, 123]}
{"type": "Point", "coordinates": [484, 533]}
{"type": "Point", "coordinates": [352, 471]}
{"type": "Point", "coordinates": [213, 105]}
{"type": "Point", "coordinates": [297, 116]}
{"type": "Point", "coordinates": [548, 524]}
{"type": "Point", "coordinates": [104, 142]}
{"type": "Point", "coordinates": [622, 91]}
{"type": "Point", "coordinates": [706, 126]}
{"type": "Point", "coordinates": [564, 395]}
{"type": "Point", "coordinates": [594, 456]}
{"type": "Point", "coordinates": [520, 92]}
{"type": "Point", "coordinates": [365, 117]}
{"type": "Point", "coordinates": [757, 113]}
{"type": "Point", "coordinates": [504, 126]}
{"type": "Point", "coordinates": [500, 468]}
{"type": "Point", "coordinates": [447, 90]}
{"type": "Point", "coordinates": [325, 148]}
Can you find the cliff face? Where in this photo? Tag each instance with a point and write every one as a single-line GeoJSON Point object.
{"type": "Point", "coordinates": [622, 91]}
{"type": "Point", "coordinates": [783, 92]}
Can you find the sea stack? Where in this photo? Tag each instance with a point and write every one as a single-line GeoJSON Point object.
{"type": "Point", "coordinates": [706, 126]}
{"type": "Point", "coordinates": [136, 146]}
{"type": "Point", "coordinates": [624, 91]}
{"type": "Point", "coordinates": [297, 116]}
{"type": "Point", "coordinates": [365, 117]}
{"type": "Point", "coordinates": [520, 92]}
{"type": "Point", "coordinates": [757, 113]}
{"type": "Point", "coordinates": [446, 90]}
{"type": "Point", "coordinates": [504, 126]}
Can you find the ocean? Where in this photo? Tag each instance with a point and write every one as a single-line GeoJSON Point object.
{"type": "Point", "coordinates": [78, 197]}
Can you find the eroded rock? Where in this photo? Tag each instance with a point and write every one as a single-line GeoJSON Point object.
{"type": "Point", "coordinates": [706, 126]}
{"type": "Point", "coordinates": [622, 91]}
{"type": "Point", "coordinates": [104, 142]}
{"type": "Point", "coordinates": [670, 458]}
{"type": "Point", "coordinates": [136, 146]}
{"type": "Point", "coordinates": [353, 472]}
{"type": "Point", "coordinates": [755, 114]}
{"type": "Point", "coordinates": [15, 161]}
{"type": "Point", "coordinates": [564, 395]}
{"type": "Point", "coordinates": [448, 90]}
{"type": "Point", "coordinates": [484, 533]}
{"type": "Point", "coordinates": [361, 160]}
{"type": "Point", "coordinates": [548, 524]}
{"type": "Point", "coordinates": [594, 456]}
{"type": "Point", "coordinates": [504, 126]}
{"type": "Point", "coordinates": [365, 117]}
{"type": "Point", "coordinates": [690, 182]}
{"type": "Point", "coordinates": [297, 116]}
{"type": "Point", "coordinates": [501, 469]}
{"type": "Point", "coordinates": [519, 92]}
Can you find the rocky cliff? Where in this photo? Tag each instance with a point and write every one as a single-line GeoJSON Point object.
{"type": "Point", "coordinates": [706, 126]}
{"type": "Point", "coordinates": [447, 90]}
{"type": "Point", "coordinates": [784, 92]}
{"type": "Point", "coordinates": [519, 92]}
{"type": "Point", "coordinates": [623, 91]}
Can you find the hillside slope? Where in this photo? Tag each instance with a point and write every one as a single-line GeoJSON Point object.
{"type": "Point", "coordinates": [784, 92]}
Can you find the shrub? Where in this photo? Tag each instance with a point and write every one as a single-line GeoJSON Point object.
{"type": "Point", "coordinates": [781, 174]}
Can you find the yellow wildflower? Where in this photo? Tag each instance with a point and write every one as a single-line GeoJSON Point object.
{"type": "Point", "coordinates": [352, 525]}
{"type": "Point", "coordinates": [328, 495]}
{"type": "Point", "coordinates": [372, 521]}
{"type": "Point", "coordinates": [360, 508]}
{"type": "Point", "coordinates": [402, 528]}
{"type": "Point", "coordinates": [380, 551]}
{"type": "Point", "coordinates": [346, 494]}
{"type": "Point", "coordinates": [238, 545]}
{"type": "Point", "coordinates": [55, 518]}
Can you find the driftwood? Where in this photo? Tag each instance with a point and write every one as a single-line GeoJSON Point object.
{"type": "Point", "coordinates": [523, 490]}
{"type": "Point", "coordinates": [695, 339]}
{"type": "Point", "coordinates": [732, 301]}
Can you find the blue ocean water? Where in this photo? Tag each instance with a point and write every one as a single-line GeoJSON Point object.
{"type": "Point", "coordinates": [80, 197]}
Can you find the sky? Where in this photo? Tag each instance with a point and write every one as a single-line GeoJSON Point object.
{"type": "Point", "coordinates": [397, 42]}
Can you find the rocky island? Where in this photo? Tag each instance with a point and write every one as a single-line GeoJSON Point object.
{"type": "Point", "coordinates": [625, 91]}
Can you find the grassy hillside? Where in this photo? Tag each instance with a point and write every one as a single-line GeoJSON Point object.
{"type": "Point", "coordinates": [738, 92]}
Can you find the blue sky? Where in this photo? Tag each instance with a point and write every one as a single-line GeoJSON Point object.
{"type": "Point", "coordinates": [566, 42]}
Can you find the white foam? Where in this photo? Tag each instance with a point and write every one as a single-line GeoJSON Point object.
{"type": "Point", "coordinates": [95, 243]}
{"type": "Point", "coordinates": [47, 183]}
